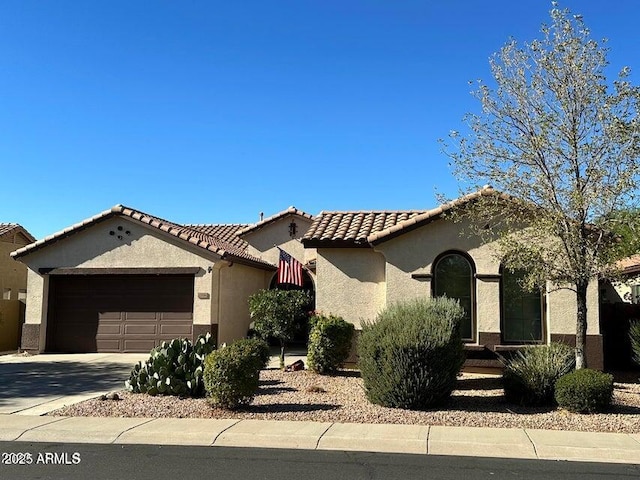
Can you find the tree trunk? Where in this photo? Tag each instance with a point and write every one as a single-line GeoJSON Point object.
{"type": "Point", "coordinates": [281, 355]}
{"type": "Point", "coordinates": [581, 327]}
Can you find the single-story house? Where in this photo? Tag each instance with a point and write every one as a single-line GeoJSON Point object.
{"type": "Point", "coordinates": [124, 280]}
{"type": "Point", "coordinates": [13, 284]}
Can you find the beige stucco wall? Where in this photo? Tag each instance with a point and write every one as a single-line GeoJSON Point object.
{"type": "Point", "coordinates": [415, 252]}
{"type": "Point", "coordinates": [562, 310]}
{"type": "Point", "coordinates": [216, 292]}
{"type": "Point", "coordinates": [13, 275]}
{"type": "Point", "coordinates": [388, 268]}
{"type": "Point", "coordinates": [351, 283]}
{"type": "Point", "coordinates": [262, 241]}
{"type": "Point", "coordinates": [238, 282]}
{"type": "Point", "coordinates": [10, 317]}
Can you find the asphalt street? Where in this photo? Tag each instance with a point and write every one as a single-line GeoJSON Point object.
{"type": "Point", "coordinates": [21, 460]}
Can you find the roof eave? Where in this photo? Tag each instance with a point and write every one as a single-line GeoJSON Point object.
{"type": "Point", "coordinates": [313, 243]}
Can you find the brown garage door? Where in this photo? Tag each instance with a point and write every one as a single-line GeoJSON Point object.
{"type": "Point", "coordinates": [118, 313]}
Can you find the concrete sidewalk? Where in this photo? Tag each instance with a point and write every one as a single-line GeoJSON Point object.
{"type": "Point", "coordinates": [425, 440]}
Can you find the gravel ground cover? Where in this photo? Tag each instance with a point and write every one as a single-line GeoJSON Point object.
{"type": "Point", "coordinates": [478, 401]}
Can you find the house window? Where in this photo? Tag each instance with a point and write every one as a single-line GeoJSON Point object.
{"type": "Point", "coordinates": [453, 278]}
{"type": "Point", "coordinates": [22, 294]}
{"type": "Point", "coordinates": [6, 294]}
{"type": "Point", "coordinates": [521, 310]}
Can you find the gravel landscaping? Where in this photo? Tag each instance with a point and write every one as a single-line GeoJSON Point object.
{"type": "Point", "coordinates": [477, 402]}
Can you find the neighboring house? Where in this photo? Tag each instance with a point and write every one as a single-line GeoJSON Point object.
{"type": "Point", "coordinates": [620, 304]}
{"type": "Point", "coordinates": [124, 280]}
{"type": "Point", "coordinates": [13, 285]}
{"type": "Point", "coordinates": [626, 290]}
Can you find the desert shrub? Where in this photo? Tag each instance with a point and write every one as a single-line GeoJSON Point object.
{"type": "Point", "coordinates": [231, 375]}
{"type": "Point", "coordinates": [329, 343]}
{"type": "Point", "coordinates": [256, 348]}
{"type": "Point", "coordinates": [531, 373]}
{"type": "Point", "coordinates": [584, 391]}
{"type": "Point", "coordinates": [173, 368]}
{"type": "Point", "coordinates": [411, 354]}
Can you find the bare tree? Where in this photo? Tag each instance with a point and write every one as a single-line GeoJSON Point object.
{"type": "Point", "coordinates": [563, 143]}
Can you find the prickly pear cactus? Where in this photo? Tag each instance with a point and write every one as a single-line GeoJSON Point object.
{"type": "Point", "coordinates": [173, 368]}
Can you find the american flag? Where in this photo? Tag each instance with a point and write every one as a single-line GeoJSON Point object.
{"type": "Point", "coordinates": [289, 269]}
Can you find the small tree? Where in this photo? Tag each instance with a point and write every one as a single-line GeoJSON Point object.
{"type": "Point", "coordinates": [274, 313]}
{"type": "Point", "coordinates": [556, 135]}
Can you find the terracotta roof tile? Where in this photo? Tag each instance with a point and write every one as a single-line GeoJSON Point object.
{"type": "Point", "coordinates": [353, 227]}
{"type": "Point", "coordinates": [200, 238]}
{"type": "Point", "coordinates": [226, 232]}
{"type": "Point", "coordinates": [373, 227]}
{"type": "Point", "coordinates": [289, 211]}
{"type": "Point", "coordinates": [630, 264]}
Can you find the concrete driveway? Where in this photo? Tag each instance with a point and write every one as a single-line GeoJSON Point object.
{"type": "Point", "coordinates": [38, 384]}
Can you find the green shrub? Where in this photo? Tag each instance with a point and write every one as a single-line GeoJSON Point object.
{"type": "Point", "coordinates": [231, 375]}
{"type": "Point", "coordinates": [173, 368]}
{"type": "Point", "coordinates": [531, 373]}
{"type": "Point", "coordinates": [411, 355]}
{"type": "Point", "coordinates": [329, 343]}
{"type": "Point", "coordinates": [584, 391]}
{"type": "Point", "coordinates": [256, 348]}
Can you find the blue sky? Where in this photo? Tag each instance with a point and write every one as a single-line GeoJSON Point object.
{"type": "Point", "coordinates": [211, 112]}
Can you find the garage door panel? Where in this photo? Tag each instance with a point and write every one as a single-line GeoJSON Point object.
{"type": "Point", "coordinates": [118, 313]}
{"type": "Point", "coordinates": [141, 316]}
{"type": "Point", "coordinates": [109, 329]}
{"type": "Point", "coordinates": [141, 329]}
{"type": "Point", "coordinates": [112, 345]}
{"type": "Point", "coordinates": [110, 316]}
{"type": "Point", "coordinates": [137, 345]}
{"type": "Point", "coordinates": [168, 316]}
{"type": "Point", "coordinates": [176, 330]}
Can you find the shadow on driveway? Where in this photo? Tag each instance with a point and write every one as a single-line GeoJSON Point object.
{"type": "Point", "coordinates": [56, 379]}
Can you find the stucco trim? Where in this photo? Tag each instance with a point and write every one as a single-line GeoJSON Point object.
{"type": "Point", "coordinates": [489, 276]}
{"type": "Point", "coordinates": [422, 276]}
{"type": "Point", "coordinates": [121, 271]}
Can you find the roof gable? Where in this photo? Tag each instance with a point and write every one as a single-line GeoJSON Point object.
{"type": "Point", "coordinates": [9, 229]}
{"type": "Point", "coordinates": [274, 218]}
{"type": "Point", "coordinates": [199, 238]}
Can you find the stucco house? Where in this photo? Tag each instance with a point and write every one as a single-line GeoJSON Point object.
{"type": "Point", "coordinates": [124, 280]}
{"type": "Point", "coordinates": [13, 285]}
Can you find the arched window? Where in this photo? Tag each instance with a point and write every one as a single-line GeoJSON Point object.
{"type": "Point", "coordinates": [453, 278]}
{"type": "Point", "coordinates": [521, 310]}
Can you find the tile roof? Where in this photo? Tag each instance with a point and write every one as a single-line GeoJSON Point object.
{"type": "Point", "coordinates": [374, 227]}
{"type": "Point", "coordinates": [353, 227]}
{"type": "Point", "coordinates": [7, 228]}
{"type": "Point", "coordinates": [195, 237]}
{"type": "Point", "coordinates": [224, 231]}
{"type": "Point", "coordinates": [630, 264]}
{"type": "Point", "coordinates": [289, 211]}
